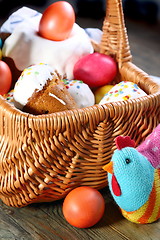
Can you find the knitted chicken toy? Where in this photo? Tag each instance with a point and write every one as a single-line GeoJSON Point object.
{"type": "Point", "coordinates": [134, 177]}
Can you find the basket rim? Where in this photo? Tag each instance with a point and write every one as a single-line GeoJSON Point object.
{"type": "Point", "coordinates": [110, 15]}
{"type": "Point", "coordinates": [109, 105]}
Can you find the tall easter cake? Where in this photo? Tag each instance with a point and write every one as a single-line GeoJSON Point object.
{"type": "Point", "coordinates": [26, 47]}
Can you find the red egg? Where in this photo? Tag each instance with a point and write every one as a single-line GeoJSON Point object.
{"type": "Point", "coordinates": [5, 78]}
{"type": "Point", "coordinates": [95, 69]}
{"type": "Point", "coordinates": [57, 21]}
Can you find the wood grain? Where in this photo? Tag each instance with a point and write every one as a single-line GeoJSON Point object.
{"type": "Point", "coordinates": [45, 221]}
{"type": "Point", "coordinates": [144, 42]}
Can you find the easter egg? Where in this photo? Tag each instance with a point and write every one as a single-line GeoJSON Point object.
{"type": "Point", "coordinates": [83, 207]}
{"type": "Point", "coordinates": [5, 78]}
{"type": "Point", "coordinates": [0, 54]}
{"type": "Point", "coordinates": [101, 91]}
{"type": "Point", "coordinates": [95, 69]}
{"type": "Point", "coordinates": [1, 43]}
{"type": "Point", "coordinates": [57, 21]}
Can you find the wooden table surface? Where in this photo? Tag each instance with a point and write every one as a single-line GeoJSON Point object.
{"type": "Point", "coordinates": [45, 221]}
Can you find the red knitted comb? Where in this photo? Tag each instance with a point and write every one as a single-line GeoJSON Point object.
{"type": "Point", "coordinates": [122, 142]}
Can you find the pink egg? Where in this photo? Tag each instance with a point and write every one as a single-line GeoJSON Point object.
{"type": "Point", "coordinates": [95, 69]}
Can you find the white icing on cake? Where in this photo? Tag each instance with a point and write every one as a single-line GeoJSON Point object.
{"type": "Point", "coordinates": [80, 92]}
{"type": "Point", "coordinates": [123, 91]}
{"type": "Point", "coordinates": [26, 47]}
{"type": "Point", "coordinates": [31, 79]}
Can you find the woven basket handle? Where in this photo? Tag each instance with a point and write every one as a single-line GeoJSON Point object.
{"type": "Point", "coordinates": [114, 39]}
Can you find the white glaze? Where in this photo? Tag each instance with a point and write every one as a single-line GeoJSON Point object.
{"type": "Point", "coordinates": [26, 47]}
{"type": "Point", "coordinates": [31, 79]}
{"type": "Point", "coordinates": [123, 91]}
{"type": "Point", "coordinates": [80, 92]}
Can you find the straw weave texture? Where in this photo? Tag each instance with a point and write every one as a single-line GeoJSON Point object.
{"type": "Point", "coordinates": [43, 157]}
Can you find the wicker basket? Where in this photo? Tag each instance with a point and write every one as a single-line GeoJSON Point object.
{"type": "Point", "coordinates": [43, 157]}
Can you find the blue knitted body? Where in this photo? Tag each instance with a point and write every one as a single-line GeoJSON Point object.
{"type": "Point", "coordinates": [134, 178]}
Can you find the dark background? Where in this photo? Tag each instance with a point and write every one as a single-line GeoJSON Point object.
{"type": "Point", "coordinates": [147, 10]}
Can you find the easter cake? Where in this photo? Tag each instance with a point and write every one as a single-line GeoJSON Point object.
{"type": "Point", "coordinates": [123, 91]}
{"type": "Point", "coordinates": [39, 90]}
{"type": "Point", "coordinates": [25, 46]}
{"type": "Point", "coordinates": [81, 93]}
{"type": "Point", "coordinates": [32, 38]}
{"type": "Point", "coordinates": [49, 155]}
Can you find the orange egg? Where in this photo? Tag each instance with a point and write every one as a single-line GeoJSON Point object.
{"type": "Point", "coordinates": [83, 207]}
{"type": "Point", "coordinates": [5, 78]}
{"type": "Point", "coordinates": [57, 21]}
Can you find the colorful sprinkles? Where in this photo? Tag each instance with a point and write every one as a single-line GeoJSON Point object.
{"type": "Point", "coordinates": [80, 92]}
{"type": "Point", "coordinates": [9, 97]}
{"type": "Point", "coordinates": [123, 91]}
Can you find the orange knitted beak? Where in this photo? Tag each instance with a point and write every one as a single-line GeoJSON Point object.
{"type": "Point", "coordinates": [109, 167]}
